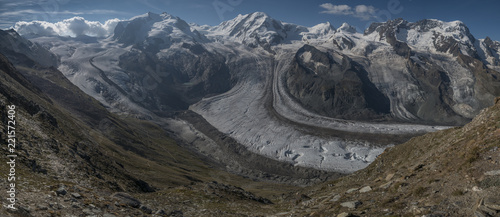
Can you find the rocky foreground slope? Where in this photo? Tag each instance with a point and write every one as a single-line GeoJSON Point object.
{"type": "Point", "coordinates": [454, 172]}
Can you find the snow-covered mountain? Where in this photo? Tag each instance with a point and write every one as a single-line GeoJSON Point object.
{"type": "Point", "coordinates": [346, 28]}
{"type": "Point", "coordinates": [254, 29]}
{"type": "Point", "coordinates": [267, 83]}
{"type": "Point", "coordinates": [156, 30]}
{"type": "Point", "coordinates": [426, 35]}
{"type": "Point", "coordinates": [259, 29]}
{"type": "Point", "coordinates": [489, 52]}
{"type": "Point", "coordinates": [421, 67]}
{"type": "Point", "coordinates": [320, 31]}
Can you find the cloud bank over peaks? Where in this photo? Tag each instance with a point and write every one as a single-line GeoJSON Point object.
{"type": "Point", "coordinates": [363, 12]}
{"type": "Point", "coordinates": [73, 27]}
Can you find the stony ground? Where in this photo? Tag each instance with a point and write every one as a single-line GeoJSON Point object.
{"type": "Point", "coordinates": [202, 199]}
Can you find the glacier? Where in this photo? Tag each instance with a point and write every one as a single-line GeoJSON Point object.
{"type": "Point", "coordinates": [258, 111]}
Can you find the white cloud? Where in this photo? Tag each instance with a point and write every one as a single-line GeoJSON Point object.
{"type": "Point", "coordinates": [336, 9]}
{"type": "Point", "coordinates": [20, 4]}
{"type": "Point", "coordinates": [31, 12]}
{"type": "Point", "coordinates": [35, 27]}
{"type": "Point", "coordinates": [364, 12]}
{"type": "Point", "coordinates": [73, 27]}
{"type": "Point", "coordinates": [28, 12]}
{"type": "Point", "coordinates": [18, 13]}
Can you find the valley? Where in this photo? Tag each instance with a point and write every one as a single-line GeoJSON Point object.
{"type": "Point", "coordinates": [255, 113]}
{"type": "Point", "coordinates": [261, 94]}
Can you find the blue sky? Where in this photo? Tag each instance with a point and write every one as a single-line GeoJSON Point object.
{"type": "Point", "coordinates": [482, 17]}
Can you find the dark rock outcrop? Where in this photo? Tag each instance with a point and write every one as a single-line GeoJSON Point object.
{"type": "Point", "coordinates": [335, 89]}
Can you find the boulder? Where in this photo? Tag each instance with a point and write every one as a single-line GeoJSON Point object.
{"type": "Point", "coordinates": [365, 189]}
{"type": "Point", "coordinates": [351, 204]}
{"type": "Point", "coordinates": [126, 200]}
{"type": "Point", "coordinates": [61, 191]}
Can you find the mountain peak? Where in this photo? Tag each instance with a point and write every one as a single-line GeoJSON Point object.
{"type": "Point", "coordinates": [150, 16]}
{"type": "Point", "coordinates": [253, 29]}
{"type": "Point", "coordinates": [427, 35]}
{"type": "Point", "coordinates": [259, 18]}
{"type": "Point", "coordinates": [151, 25]}
{"type": "Point", "coordinates": [325, 25]}
{"type": "Point", "coordinates": [146, 16]}
{"type": "Point", "coordinates": [319, 31]}
{"type": "Point", "coordinates": [254, 17]}
{"type": "Point", "coordinates": [428, 24]}
{"type": "Point", "coordinates": [259, 14]}
{"type": "Point", "coordinates": [453, 28]}
{"type": "Point", "coordinates": [347, 28]}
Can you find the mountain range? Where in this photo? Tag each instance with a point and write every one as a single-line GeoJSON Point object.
{"type": "Point", "coordinates": [179, 109]}
{"type": "Point", "coordinates": [439, 64]}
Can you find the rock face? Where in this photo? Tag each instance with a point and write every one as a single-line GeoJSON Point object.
{"type": "Point", "coordinates": [11, 42]}
{"type": "Point", "coordinates": [175, 80]}
{"type": "Point", "coordinates": [336, 87]}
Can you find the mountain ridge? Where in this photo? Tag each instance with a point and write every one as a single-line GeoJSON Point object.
{"type": "Point", "coordinates": [260, 29]}
{"type": "Point", "coordinates": [397, 73]}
